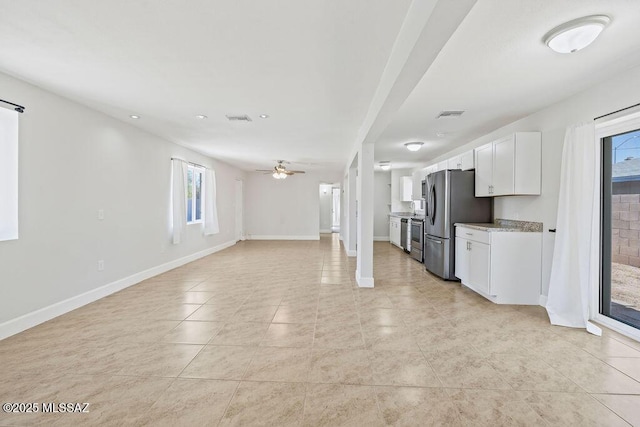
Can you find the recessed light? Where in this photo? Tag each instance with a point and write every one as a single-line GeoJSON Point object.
{"type": "Point", "coordinates": [133, 116]}
{"type": "Point", "coordinates": [201, 116]}
{"type": "Point", "coordinates": [385, 166]}
{"type": "Point", "coordinates": [575, 35]}
{"type": "Point", "coordinates": [414, 146]}
{"type": "Point", "coordinates": [264, 116]}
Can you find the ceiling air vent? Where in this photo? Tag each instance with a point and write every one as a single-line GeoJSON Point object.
{"type": "Point", "coordinates": [243, 118]}
{"type": "Point", "coordinates": [449, 114]}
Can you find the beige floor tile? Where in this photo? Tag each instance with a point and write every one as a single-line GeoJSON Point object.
{"type": "Point", "coordinates": [380, 317]}
{"type": "Point", "coordinates": [344, 366]}
{"type": "Point", "coordinates": [389, 338]}
{"type": "Point", "coordinates": [174, 311]}
{"type": "Point", "coordinates": [279, 364]}
{"type": "Point", "coordinates": [336, 335]}
{"type": "Point", "coordinates": [161, 360]}
{"type": "Point", "coordinates": [573, 409]}
{"type": "Point", "coordinates": [193, 332]}
{"type": "Point", "coordinates": [341, 405]}
{"type": "Point", "coordinates": [625, 406]}
{"type": "Point", "coordinates": [402, 368]}
{"type": "Point", "coordinates": [410, 406]}
{"type": "Point", "coordinates": [289, 335]}
{"type": "Point", "coordinates": [296, 313]}
{"type": "Point", "coordinates": [627, 365]}
{"type": "Point", "coordinates": [214, 313]}
{"type": "Point", "coordinates": [192, 402]}
{"type": "Point", "coordinates": [466, 371]}
{"type": "Point", "coordinates": [240, 334]}
{"type": "Point", "coordinates": [530, 373]}
{"type": "Point", "coordinates": [255, 314]}
{"type": "Point", "coordinates": [265, 403]}
{"type": "Point", "coordinates": [220, 362]}
{"type": "Point", "coordinates": [495, 408]}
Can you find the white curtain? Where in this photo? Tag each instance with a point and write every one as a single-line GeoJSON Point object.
{"type": "Point", "coordinates": [178, 200]}
{"type": "Point", "coordinates": [210, 205]}
{"type": "Point", "coordinates": [576, 253]}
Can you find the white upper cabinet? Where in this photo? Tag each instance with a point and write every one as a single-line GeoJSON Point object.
{"type": "Point", "coordinates": [509, 166]}
{"type": "Point", "coordinates": [406, 188]}
{"type": "Point", "coordinates": [467, 161]}
{"type": "Point", "coordinates": [454, 163]}
{"type": "Point", "coordinates": [462, 161]}
{"type": "Point", "coordinates": [442, 165]}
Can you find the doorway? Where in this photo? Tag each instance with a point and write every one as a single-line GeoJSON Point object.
{"type": "Point", "coordinates": [620, 228]}
{"type": "Point", "coordinates": [335, 210]}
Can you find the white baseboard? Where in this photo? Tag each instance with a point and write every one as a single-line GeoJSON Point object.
{"type": "Point", "coordinates": [327, 231]}
{"type": "Point", "coordinates": [543, 300]}
{"type": "Point", "coordinates": [380, 238]}
{"type": "Point", "coordinates": [29, 320]}
{"type": "Point", "coordinates": [364, 282]}
{"type": "Point", "coordinates": [280, 237]}
{"type": "Point", "coordinates": [351, 253]}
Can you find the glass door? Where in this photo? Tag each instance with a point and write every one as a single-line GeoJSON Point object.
{"type": "Point", "coordinates": [620, 284]}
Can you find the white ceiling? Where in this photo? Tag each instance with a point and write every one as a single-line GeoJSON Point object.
{"type": "Point", "coordinates": [497, 68]}
{"type": "Point", "coordinates": [313, 66]}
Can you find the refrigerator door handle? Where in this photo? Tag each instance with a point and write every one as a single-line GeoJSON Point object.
{"type": "Point", "coordinates": [432, 194]}
{"type": "Point", "coordinates": [439, 242]}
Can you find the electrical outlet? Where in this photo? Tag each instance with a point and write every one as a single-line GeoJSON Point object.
{"type": "Point", "coordinates": [101, 214]}
{"type": "Point", "coordinates": [100, 265]}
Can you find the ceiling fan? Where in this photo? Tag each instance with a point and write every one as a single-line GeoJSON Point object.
{"type": "Point", "coordinates": [279, 171]}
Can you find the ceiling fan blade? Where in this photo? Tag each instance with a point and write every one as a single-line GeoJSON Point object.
{"type": "Point", "coordinates": [264, 170]}
{"type": "Point", "coordinates": [287, 172]}
{"type": "Point", "coordinates": [297, 171]}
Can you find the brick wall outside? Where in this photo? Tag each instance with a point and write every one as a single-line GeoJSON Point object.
{"type": "Point", "coordinates": [625, 224]}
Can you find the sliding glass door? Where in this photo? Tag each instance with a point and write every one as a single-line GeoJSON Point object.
{"type": "Point", "coordinates": [620, 284]}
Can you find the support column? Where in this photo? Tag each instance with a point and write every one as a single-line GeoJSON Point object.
{"type": "Point", "coordinates": [364, 195]}
{"type": "Point", "coordinates": [350, 244]}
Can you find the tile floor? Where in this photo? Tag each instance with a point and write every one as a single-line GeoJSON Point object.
{"type": "Point", "coordinates": [277, 334]}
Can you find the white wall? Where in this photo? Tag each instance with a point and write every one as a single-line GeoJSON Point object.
{"type": "Point", "coordinates": [326, 208]}
{"type": "Point", "coordinates": [282, 208]}
{"type": "Point", "coordinates": [74, 161]}
{"type": "Point", "coordinates": [396, 190]}
{"type": "Point", "coordinates": [381, 204]}
{"type": "Point", "coordinates": [619, 92]}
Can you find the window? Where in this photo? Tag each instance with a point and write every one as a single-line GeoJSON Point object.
{"type": "Point", "coordinates": [195, 178]}
{"type": "Point", "coordinates": [8, 174]}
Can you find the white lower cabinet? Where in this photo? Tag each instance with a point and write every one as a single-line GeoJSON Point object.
{"type": "Point", "coordinates": [394, 230]}
{"type": "Point", "coordinates": [502, 266]}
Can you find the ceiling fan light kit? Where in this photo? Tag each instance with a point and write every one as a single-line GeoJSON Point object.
{"type": "Point", "coordinates": [577, 34]}
{"type": "Point", "coordinates": [279, 171]}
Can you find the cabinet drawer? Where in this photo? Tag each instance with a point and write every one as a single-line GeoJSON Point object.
{"type": "Point", "coordinates": [473, 234]}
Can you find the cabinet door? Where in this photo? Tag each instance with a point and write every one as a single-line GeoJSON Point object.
{"type": "Point", "coordinates": [503, 166]}
{"type": "Point", "coordinates": [479, 266]}
{"type": "Point", "coordinates": [442, 165]}
{"type": "Point", "coordinates": [462, 260]}
{"type": "Point", "coordinates": [484, 170]}
{"type": "Point", "coordinates": [466, 160]}
{"type": "Point", "coordinates": [406, 186]}
{"type": "Point", "coordinates": [454, 163]}
{"type": "Point", "coordinates": [417, 184]}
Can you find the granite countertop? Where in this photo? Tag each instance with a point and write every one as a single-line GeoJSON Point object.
{"type": "Point", "coordinates": [506, 225]}
{"type": "Point", "coordinates": [407, 215]}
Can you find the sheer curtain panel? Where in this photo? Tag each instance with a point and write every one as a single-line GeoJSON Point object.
{"type": "Point", "coordinates": [575, 262]}
{"type": "Point", "coordinates": [178, 200]}
{"type": "Point", "coordinates": [210, 208]}
{"type": "Point", "coordinates": [8, 174]}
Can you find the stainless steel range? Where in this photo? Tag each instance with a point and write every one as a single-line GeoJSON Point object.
{"type": "Point", "coordinates": [417, 236]}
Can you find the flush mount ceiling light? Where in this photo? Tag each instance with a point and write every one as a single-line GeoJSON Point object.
{"type": "Point", "coordinates": [385, 165]}
{"type": "Point", "coordinates": [201, 116]}
{"type": "Point", "coordinates": [414, 146]}
{"type": "Point", "coordinates": [575, 35]}
{"type": "Point", "coordinates": [264, 116]}
{"type": "Point", "coordinates": [133, 116]}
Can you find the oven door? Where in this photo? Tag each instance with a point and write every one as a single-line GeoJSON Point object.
{"type": "Point", "coordinates": [416, 233]}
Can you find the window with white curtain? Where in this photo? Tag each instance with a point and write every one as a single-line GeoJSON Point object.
{"type": "Point", "coordinates": [8, 174]}
{"type": "Point", "coordinates": [195, 180]}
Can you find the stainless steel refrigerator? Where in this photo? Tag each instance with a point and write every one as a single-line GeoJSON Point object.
{"type": "Point", "coordinates": [450, 199]}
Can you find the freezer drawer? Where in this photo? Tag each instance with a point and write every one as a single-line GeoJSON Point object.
{"type": "Point", "coordinates": [437, 256]}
